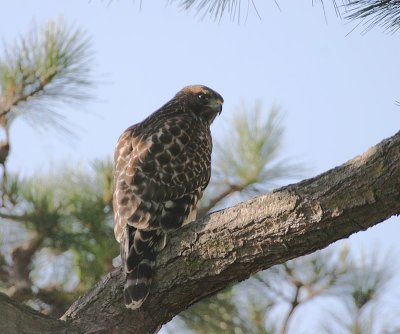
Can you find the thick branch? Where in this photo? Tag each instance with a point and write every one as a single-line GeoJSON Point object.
{"type": "Point", "coordinates": [19, 319]}
{"type": "Point", "coordinates": [230, 245]}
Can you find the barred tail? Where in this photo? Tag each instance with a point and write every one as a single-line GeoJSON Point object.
{"type": "Point", "coordinates": [137, 286]}
{"type": "Point", "coordinates": [138, 256]}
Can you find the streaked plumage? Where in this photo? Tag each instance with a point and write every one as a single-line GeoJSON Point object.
{"type": "Point", "coordinates": [161, 168]}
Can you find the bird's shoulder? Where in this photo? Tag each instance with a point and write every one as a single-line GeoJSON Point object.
{"type": "Point", "coordinates": [162, 129]}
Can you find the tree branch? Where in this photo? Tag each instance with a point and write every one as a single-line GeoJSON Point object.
{"type": "Point", "coordinates": [294, 303]}
{"type": "Point", "coordinates": [22, 319]}
{"type": "Point", "coordinates": [230, 245]}
{"type": "Point", "coordinates": [22, 259]}
{"type": "Point", "coordinates": [8, 105]}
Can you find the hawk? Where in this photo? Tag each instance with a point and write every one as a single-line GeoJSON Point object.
{"type": "Point", "coordinates": [161, 167]}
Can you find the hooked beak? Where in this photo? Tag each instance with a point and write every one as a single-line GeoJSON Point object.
{"type": "Point", "coordinates": [214, 109]}
{"type": "Point", "coordinates": [216, 105]}
{"type": "Point", "coordinates": [220, 106]}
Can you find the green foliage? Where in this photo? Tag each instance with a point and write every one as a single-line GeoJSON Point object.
{"type": "Point", "coordinates": [312, 275]}
{"type": "Point", "coordinates": [361, 288]}
{"type": "Point", "coordinates": [374, 12]}
{"type": "Point", "coordinates": [215, 8]}
{"type": "Point", "coordinates": [250, 156]}
{"type": "Point", "coordinates": [248, 161]}
{"type": "Point", "coordinates": [369, 13]}
{"type": "Point", "coordinates": [332, 275]}
{"type": "Point", "coordinates": [59, 222]}
{"type": "Point", "coordinates": [228, 312]}
{"type": "Point", "coordinates": [46, 68]}
{"type": "Point", "coordinates": [71, 209]}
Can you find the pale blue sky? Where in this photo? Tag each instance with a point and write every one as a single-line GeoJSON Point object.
{"type": "Point", "coordinates": [338, 91]}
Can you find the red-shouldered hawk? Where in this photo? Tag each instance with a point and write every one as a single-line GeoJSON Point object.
{"type": "Point", "coordinates": [162, 166]}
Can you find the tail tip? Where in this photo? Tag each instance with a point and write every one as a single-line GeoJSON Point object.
{"type": "Point", "coordinates": [135, 295]}
{"type": "Point", "coordinates": [133, 304]}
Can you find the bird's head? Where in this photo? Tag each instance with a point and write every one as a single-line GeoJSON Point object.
{"type": "Point", "coordinates": [202, 100]}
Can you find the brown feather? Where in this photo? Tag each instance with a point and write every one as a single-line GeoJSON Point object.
{"type": "Point", "coordinates": [162, 165]}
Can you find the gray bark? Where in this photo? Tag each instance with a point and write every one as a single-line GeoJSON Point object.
{"type": "Point", "coordinates": [21, 319]}
{"type": "Point", "coordinates": [232, 244]}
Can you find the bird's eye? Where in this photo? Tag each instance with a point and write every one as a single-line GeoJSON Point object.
{"type": "Point", "coordinates": [202, 97]}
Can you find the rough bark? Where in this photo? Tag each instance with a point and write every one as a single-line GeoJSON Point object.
{"type": "Point", "coordinates": [17, 318]}
{"type": "Point", "coordinates": [232, 244]}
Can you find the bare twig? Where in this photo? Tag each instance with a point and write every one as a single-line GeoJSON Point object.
{"type": "Point", "coordinates": [294, 303]}
{"type": "Point", "coordinates": [215, 200]}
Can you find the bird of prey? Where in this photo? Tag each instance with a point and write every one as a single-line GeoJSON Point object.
{"type": "Point", "coordinates": [161, 167]}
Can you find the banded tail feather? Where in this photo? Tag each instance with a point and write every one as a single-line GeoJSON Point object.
{"type": "Point", "coordinates": [138, 249]}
